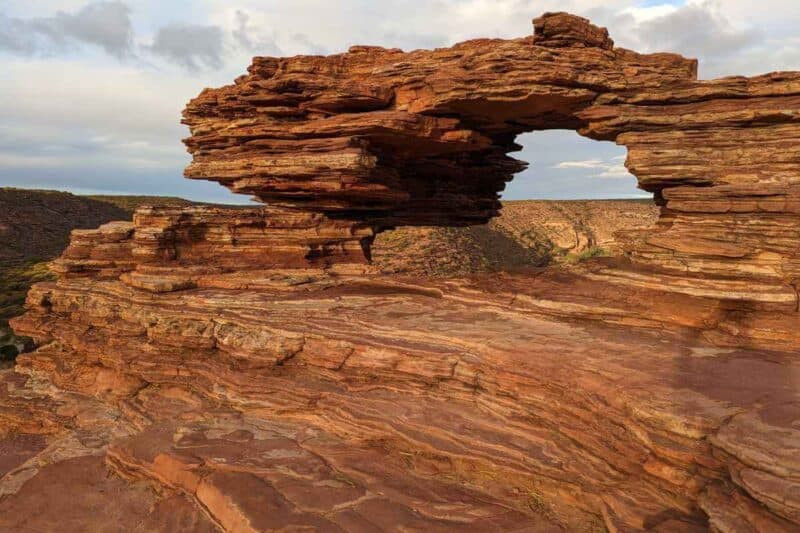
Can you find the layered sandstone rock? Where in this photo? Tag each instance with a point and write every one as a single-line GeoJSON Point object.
{"type": "Point", "coordinates": [251, 367]}
{"type": "Point", "coordinates": [383, 138]}
{"type": "Point", "coordinates": [433, 405]}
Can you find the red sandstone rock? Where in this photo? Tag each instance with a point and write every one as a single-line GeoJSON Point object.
{"type": "Point", "coordinates": [247, 365]}
{"type": "Point", "coordinates": [578, 401]}
{"type": "Point", "coordinates": [383, 138]}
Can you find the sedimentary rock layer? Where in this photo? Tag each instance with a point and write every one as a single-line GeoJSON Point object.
{"type": "Point", "coordinates": [381, 137]}
{"type": "Point", "coordinates": [252, 368]}
{"type": "Point", "coordinates": [493, 404]}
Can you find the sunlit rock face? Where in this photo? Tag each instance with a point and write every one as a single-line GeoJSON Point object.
{"type": "Point", "coordinates": [379, 137]}
{"type": "Point", "coordinates": [252, 367]}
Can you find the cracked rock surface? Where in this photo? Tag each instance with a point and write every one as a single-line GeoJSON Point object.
{"type": "Point", "coordinates": [204, 368]}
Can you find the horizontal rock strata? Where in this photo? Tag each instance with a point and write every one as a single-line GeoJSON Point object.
{"type": "Point", "coordinates": [483, 393]}
{"type": "Point", "coordinates": [383, 138]}
{"type": "Point", "coordinates": [250, 366]}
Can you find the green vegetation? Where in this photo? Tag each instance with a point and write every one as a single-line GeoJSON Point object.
{"type": "Point", "coordinates": [8, 352]}
{"type": "Point", "coordinates": [594, 251]}
{"type": "Point", "coordinates": [16, 277]}
{"type": "Point", "coordinates": [130, 203]}
{"type": "Point", "coordinates": [448, 251]}
{"type": "Point", "coordinates": [537, 502]}
{"type": "Point", "coordinates": [540, 244]}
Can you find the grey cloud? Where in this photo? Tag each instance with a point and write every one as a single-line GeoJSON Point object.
{"type": "Point", "coordinates": [191, 46]}
{"type": "Point", "coordinates": [15, 37]}
{"type": "Point", "coordinates": [104, 24]}
{"type": "Point", "coordinates": [307, 45]}
{"type": "Point", "coordinates": [413, 41]}
{"type": "Point", "coordinates": [697, 30]}
{"type": "Point", "coordinates": [247, 39]}
{"type": "Point", "coordinates": [693, 30]}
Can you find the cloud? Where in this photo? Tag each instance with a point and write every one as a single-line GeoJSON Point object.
{"type": "Point", "coordinates": [307, 45]}
{"type": "Point", "coordinates": [589, 163]}
{"type": "Point", "coordinates": [413, 40]}
{"type": "Point", "coordinates": [610, 168]}
{"type": "Point", "coordinates": [250, 39]}
{"type": "Point", "coordinates": [190, 46]}
{"type": "Point", "coordinates": [613, 171]}
{"type": "Point", "coordinates": [565, 165]}
{"type": "Point", "coordinates": [15, 37]}
{"type": "Point", "coordinates": [103, 24]}
{"type": "Point", "coordinates": [724, 40]}
{"type": "Point", "coordinates": [696, 29]}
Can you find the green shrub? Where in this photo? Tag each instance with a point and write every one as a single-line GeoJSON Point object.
{"type": "Point", "coordinates": [16, 277]}
{"type": "Point", "coordinates": [8, 352]}
{"type": "Point", "coordinates": [594, 251]}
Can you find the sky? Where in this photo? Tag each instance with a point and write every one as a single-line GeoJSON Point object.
{"type": "Point", "coordinates": [91, 91]}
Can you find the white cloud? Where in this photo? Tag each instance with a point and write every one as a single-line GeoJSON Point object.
{"type": "Point", "coordinates": [590, 163]}
{"type": "Point", "coordinates": [613, 171]}
{"type": "Point", "coordinates": [252, 35]}
{"type": "Point", "coordinates": [610, 168]}
{"type": "Point", "coordinates": [643, 14]}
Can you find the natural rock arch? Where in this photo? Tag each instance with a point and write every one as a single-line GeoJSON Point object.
{"type": "Point", "coordinates": [188, 346]}
{"type": "Point", "coordinates": [377, 138]}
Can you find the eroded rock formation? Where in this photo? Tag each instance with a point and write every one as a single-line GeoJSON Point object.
{"type": "Point", "coordinates": [380, 138]}
{"type": "Point", "coordinates": [250, 366]}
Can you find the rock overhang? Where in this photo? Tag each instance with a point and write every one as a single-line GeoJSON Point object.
{"type": "Point", "coordinates": [380, 138]}
{"type": "Point", "coordinates": [641, 390]}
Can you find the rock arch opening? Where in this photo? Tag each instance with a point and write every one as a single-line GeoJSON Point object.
{"type": "Point", "coordinates": [563, 165]}
{"type": "Point", "coordinates": [566, 206]}
{"type": "Point", "coordinates": [375, 139]}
